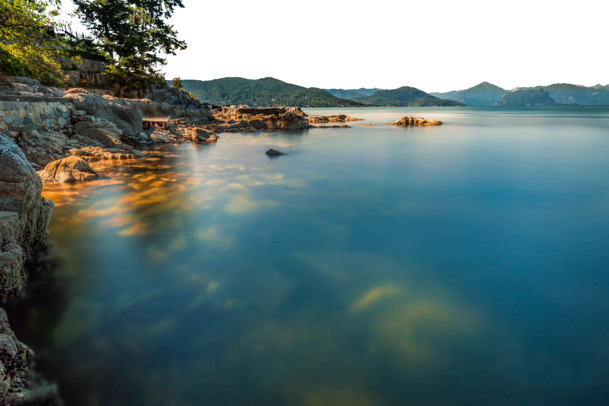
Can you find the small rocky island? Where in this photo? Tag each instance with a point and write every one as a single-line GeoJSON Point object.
{"type": "Point", "coordinates": [409, 121]}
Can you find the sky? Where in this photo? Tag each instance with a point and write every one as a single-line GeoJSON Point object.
{"type": "Point", "coordinates": [433, 45]}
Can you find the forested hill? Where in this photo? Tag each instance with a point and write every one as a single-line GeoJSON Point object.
{"type": "Point", "coordinates": [266, 92]}
{"type": "Point", "coordinates": [405, 96]}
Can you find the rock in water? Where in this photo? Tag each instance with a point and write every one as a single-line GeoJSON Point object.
{"type": "Point", "coordinates": [70, 169]}
{"type": "Point", "coordinates": [274, 152]}
{"type": "Point", "coordinates": [202, 135]}
{"type": "Point", "coordinates": [405, 121]}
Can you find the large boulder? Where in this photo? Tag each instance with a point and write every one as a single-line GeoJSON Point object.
{"type": "Point", "coordinates": [20, 193]}
{"type": "Point", "coordinates": [70, 169]}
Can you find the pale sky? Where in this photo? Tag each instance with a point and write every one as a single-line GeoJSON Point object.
{"type": "Point", "coordinates": [433, 45]}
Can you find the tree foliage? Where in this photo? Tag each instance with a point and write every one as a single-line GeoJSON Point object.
{"type": "Point", "coordinates": [177, 83]}
{"type": "Point", "coordinates": [28, 46]}
{"type": "Point", "coordinates": [136, 35]}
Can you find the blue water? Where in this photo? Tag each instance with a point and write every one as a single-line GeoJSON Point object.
{"type": "Point", "coordinates": [466, 264]}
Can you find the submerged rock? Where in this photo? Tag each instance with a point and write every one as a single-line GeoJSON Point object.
{"type": "Point", "coordinates": [70, 169]}
{"type": "Point", "coordinates": [405, 121]}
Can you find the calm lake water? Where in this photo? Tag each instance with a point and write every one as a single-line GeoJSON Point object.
{"type": "Point", "coordinates": [466, 264]}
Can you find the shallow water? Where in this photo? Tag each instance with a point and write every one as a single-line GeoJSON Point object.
{"type": "Point", "coordinates": [376, 265]}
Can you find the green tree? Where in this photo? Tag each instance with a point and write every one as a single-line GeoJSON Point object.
{"type": "Point", "coordinates": [28, 46]}
{"type": "Point", "coordinates": [136, 35]}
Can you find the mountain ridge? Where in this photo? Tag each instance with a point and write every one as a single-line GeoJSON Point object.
{"type": "Point", "coordinates": [264, 92]}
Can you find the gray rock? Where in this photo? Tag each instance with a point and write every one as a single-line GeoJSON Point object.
{"type": "Point", "coordinates": [20, 189]}
{"type": "Point", "coordinates": [103, 133]}
{"type": "Point", "coordinates": [274, 152]}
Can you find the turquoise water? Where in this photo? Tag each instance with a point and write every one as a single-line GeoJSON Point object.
{"type": "Point", "coordinates": [376, 265]}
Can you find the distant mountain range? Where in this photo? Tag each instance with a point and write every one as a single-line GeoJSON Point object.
{"type": "Point", "coordinates": [266, 92]}
{"type": "Point", "coordinates": [565, 93]}
{"type": "Point", "coordinates": [270, 92]}
{"type": "Point", "coordinates": [486, 94]}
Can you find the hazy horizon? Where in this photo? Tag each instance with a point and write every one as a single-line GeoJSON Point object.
{"type": "Point", "coordinates": [435, 46]}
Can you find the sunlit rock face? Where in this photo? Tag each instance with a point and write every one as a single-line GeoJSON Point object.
{"type": "Point", "coordinates": [70, 169]}
{"type": "Point", "coordinates": [335, 118]}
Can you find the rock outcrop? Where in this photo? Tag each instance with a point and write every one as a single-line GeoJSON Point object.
{"type": "Point", "coordinates": [407, 121]}
{"type": "Point", "coordinates": [20, 189]}
{"type": "Point", "coordinates": [66, 170]}
{"type": "Point", "coordinates": [246, 119]}
{"type": "Point", "coordinates": [117, 111]}
{"type": "Point", "coordinates": [336, 118]}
